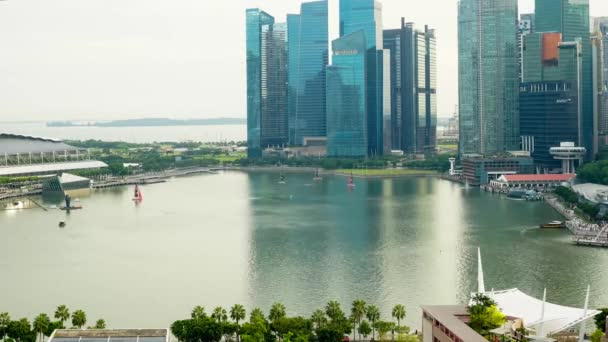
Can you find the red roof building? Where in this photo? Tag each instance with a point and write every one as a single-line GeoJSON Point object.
{"type": "Point", "coordinates": [531, 181]}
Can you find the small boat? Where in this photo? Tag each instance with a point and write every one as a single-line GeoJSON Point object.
{"type": "Point", "coordinates": [61, 224]}
{"type": "Point", "coordinates": [282, 179]}
{"type": "Point", "coordinates": [351, 181]}
{"type": "Point", "coordinates": [317, 176]}
{"type": "Point", "coordinates": [137, 196]}
{"type": "Point", "coordinates": [553, 225]}
{"type": "Point", "coordinates": [74, 207]}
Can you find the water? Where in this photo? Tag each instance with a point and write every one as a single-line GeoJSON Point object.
{"type": "Point", "coordinates": [242, 238]}
{"type": "Point", "coordinates": [213, 133]}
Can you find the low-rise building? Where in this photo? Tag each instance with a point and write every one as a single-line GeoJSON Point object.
{"type": "Point", "coordinates": [447, 323]}
{"type": "Point", "coordinates": [478, 170]}
{"type": "Point", "coordinates": [110, 335]}
{"type": "Point", "coordinates": [531, 181]}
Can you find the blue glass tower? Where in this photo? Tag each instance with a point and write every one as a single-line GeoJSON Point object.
{"type": "Point", "coordinates": [346, 97]}
{"type": "Point", "coordinates": [366, 16]}
{"type": "Point", "coordinates": [308, 59]}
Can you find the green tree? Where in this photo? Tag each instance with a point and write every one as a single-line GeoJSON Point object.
{"type": "Point", "coordinates": [52, 327]}
{"type": "Point", "coordinates": [373, 314]}
{"type": "Point", "coordinates": [318, 317]}
{"type": "Point", "coordinates": [484, 315]}
{"type": "Point", "coordinates": [237, 313]}
{"type": "Point", "coordinates": [384, 328]}
{"type": "Point", "coordinates": [600, 319]}
{"type": "Point", "coordinates": [202, 329]}
{"type": "Point", "coordinates": [257, 315]}
{"type": "Point", "coordinates": [79, 319]}
{"type": "Point", "coordinates": [597, 336]}
{"type": "Point", "coordinates": [277, 311]}
{"type": "Point", "coordinates": [198, 312]}
{"type": "Point", "coordinates": [330, 333]}
{"type": "Point", "coordinates": [41, 324]}
{"type": "Point", "coordinates": [398, 313]}
{"type": "Point", "coordinates": [21, 331]}
{"type": "Point", "coordinates": [334, 311]}
{"type": "Point", "coordinates": [5, 320]}
{"type": "Point", "coordinates": [365, 329]}
{"type": "Point", "coordinates": [219, 314]}
{"type": "Point", "coordinates": [100, 324]}
{"type": "Point", "coordinates": [357, 312]}
{"type": "Point", "coordinates": [407, 338]}
{"type": "Point", "coordinates": [62, 313]}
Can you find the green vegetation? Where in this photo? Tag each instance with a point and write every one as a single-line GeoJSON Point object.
{"type": "Point", "coordinates": [589, 209]}
{"type": "Point", "coordinates": [13, 180]}
{"type": "Point", "coordinates": [22, 331]}
{"type": "Point", "coordinates": [327, 325]}
{"type": "Point", "coordinates": [386, 172]}
{"type": "Point", "coordinates": [485, 315]}
{"type": "Point", "coordinates": [595, 172]}
{"type": "Point", "coordinates": [597, 336]}
{"type": "Point", "coordinates": [600, 319]}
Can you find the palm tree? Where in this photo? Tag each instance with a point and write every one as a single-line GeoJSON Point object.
{"type": "Point", "coordinates": [198, 312]}
{"type": "Point", "coordinates": [237, 313]}
{"type": "Point", "coordinates": [333, 310]}
{"type": "Point", "coordinates": [357, 312]}
{"type": "Point", "coordinates": [41, 324]}
{"type": "Point", "coordinates": [277, 312]}
{"type": "Point", "coordinates": [219, 314]}
{"type": "Point", "coordinates": [100, 324]}
{"type": "Point", "coordinates": [318, 317]}
{"type": "Point", "coordinates": [62, 313]}
{"type": "Point", "coordinates": [373, 315]}
{"type": "Point", "coordinates": [79, 319]}
{"type": "Point", "coordinates": [399, 314]}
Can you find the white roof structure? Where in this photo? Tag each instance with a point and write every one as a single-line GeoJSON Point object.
{"type": "Point", "coordinates": [41, 169]}
{"type": "Point", "coordinates": [556, 318]}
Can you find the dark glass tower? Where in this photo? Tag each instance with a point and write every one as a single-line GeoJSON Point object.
{"type": "Point", "coordinates": [266, 82]}
{"type": "Point", "coordinates": [488, 77]}
{"type": "Point", "coordinates": [308, 59]}
{"type": "Point", "coordinates": [346, 97]}
{"type": "Point", "coordinates": [571, 19]}
{"type": "Point", "coordinates": [413, 93]}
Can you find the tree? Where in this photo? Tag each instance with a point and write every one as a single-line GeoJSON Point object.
{"type": "Point", "coordinates": [79, 319]}
{"type": "Point", "coordinates": [219, 314]}
{"type": "Point", "coordinates": [357, 312]}
{"type": "Point", "coordinates": [484, 314]}
{"type": "Point", "coordinates": [198, 312]}
{"type": "Point", "coordinates": [5, 320]}
{"type": "Point", "coordinates": [257, 315]}
{"type": "Point", "coordinates": [597, 336]}
{"type": "Point", "coordinates": [600, 319]}
{"type": "Point", "coordinates": [21, 331]}
{"type": "Point", "coordinates": [318, 317]}
{"type": "Point", "coordinates": [41, 324]}
{"type": "Point", "coordinates": [100, 324]}
{"type": "Point", "coordinates": [399, 314]}
{"type": "Point", "coordinates": [365, 329]}
{"type": "Point", "coordinates": [277, 311]}
{"type": "Point", "coordinates": [289, 328]}
{"type": "Point", "coordinates": [62, 313]}
{"type": "Point", "coordinates": [237, 313]}
{"type": "Point", "coordinates": [330, 333]}
{"type": "Point", "coordinates": [407, 338]}
{"type": "Point", "coordinates": [202, 329]}
{"type": "Point", "coordinates": [334, 311]}
{"type": "Point", "coordinates": [52, 327]}
{"type": "Point", "coordinates": [384, 328]}
{"type": "Point", "coordinates": [373, 314]}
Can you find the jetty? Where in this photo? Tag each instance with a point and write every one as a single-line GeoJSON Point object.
{"type": "Point", "coordinates": [583, 233]}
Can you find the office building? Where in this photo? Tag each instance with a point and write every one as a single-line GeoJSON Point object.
{"type": "Point", "coordinates": [571, 19]}
{"type": "Point", "coordinates": [600, 69]}
{"type": "Point", "coordinates": [308, 59]}
{"type": "Point", "coordinates": [550, 107]}
{"type": "Point", "coordinates": [488, 76]}
{"type": "Point", "coordinates": [366, 16]}
{"type": "Point", "coordinates": [525, 26]}
{"type": "Point", "coordinates": [413, 88]}
{"type": "Point", "coordinates": [347, 119]}
{"type": "Point", "coordinates": [267, 112]}
{"type": "Point", "coordinates": [478, 170]}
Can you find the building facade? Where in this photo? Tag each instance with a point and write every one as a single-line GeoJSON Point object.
{"type": "Point", "coordinates": [525, 26]}
{"type": "Point", "coordinates": [571, 19]}
{"type": "Point", "coordinates": [478, 170]}
{"type": "Point", "coordinates": [347, 119]}
{"type": "Point", "coordinates": [413, 88]}
{"type": "Point", "coordinates": [308, 59]}
{"type": "Point", "coordinates": [488, 76]}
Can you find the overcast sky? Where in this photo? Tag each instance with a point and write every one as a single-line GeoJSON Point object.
{"type": "Point", "coordinates": [110, 59]}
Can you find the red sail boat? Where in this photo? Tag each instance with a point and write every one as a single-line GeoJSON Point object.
{"type": "Point", "coordinates": [137, 195]}
{"type": "Point", "coordinates": [351, 182]}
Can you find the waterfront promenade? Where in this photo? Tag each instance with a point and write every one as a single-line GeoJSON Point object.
{"type": "Point", "coordinates": [584, 233]}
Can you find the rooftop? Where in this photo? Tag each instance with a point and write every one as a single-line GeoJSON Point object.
{"type": "Point", "coordinates": [452, 316]}
{"type": "Point", "coordinates": [45, 169]}
{"type": "Point", "coordinates": [109, 335]}
{"type": "Point", "coordinates": [539, 178]}
{"type": "Point", "coordinates": [23, 144]}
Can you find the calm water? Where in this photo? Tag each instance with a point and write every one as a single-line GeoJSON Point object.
{"type": "Point", "coordinates": [243, 238]}
{"type": "Point", "coordinates": [131, 134]}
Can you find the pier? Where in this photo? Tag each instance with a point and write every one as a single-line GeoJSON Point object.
{"type": "Point", "coordinates": [584, 234]}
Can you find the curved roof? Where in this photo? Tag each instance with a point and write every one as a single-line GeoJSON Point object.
{"type": "Point", "coordinates": [45, 169]}
{"type": "Point", "coordinates": [13, 144]}
{"type": "Point", "coordinates": [515, 303]}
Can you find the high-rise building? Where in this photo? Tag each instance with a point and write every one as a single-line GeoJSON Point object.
{"type": "Point", "coordinates": [267, 119]}
{"type": "Point", "coordinates": [413, 93]}
{"type": "Point", "coordinates": [488, 76]}
{"type": "Point", "coordinates": [346, 97]}
{"type": "Point", "coordinates": [308, 59]}
{"type": "Point", "coordinates": [571, 19]}
{"type": "Point", "coordinates": [525, 26]}
{"type": "Point", "coordinates": [600, 43]}
{"type": "Point", "coordinates": [550, 92]}
{"type": "Point", "coordinates": [366, 15]}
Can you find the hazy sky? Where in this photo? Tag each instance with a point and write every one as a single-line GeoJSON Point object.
{"type": "Point", "coordinates": [109, 59]}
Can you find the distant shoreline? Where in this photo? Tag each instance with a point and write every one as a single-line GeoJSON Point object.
{"type": "Point", "coordinates": [160, 122]}
{"type": "Point", "coordinates": [376, 175]}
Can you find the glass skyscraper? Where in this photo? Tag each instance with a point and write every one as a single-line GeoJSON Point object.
{"type": "Point", "coordinates": [308, 59]}
{"type": "Point", "coordinates": [413, 96]}
{"type": "Point", "coordinates": [346, 97]}
{"type": "Point", "coordinates": [488, 76]}
{"type": "Point", "coordinates": [267, 119]}
{"type": "Point", "coordinates": [571, 19]}
{"type": "Point", "coordinates": [366, 16]}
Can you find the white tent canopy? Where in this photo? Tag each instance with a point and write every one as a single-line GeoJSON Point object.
{"type": "Point", "coordinates": [557, 318]}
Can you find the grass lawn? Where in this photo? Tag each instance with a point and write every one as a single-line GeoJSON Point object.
{"type": "Point", "coordinates": [448, 146]}
{"type": "Point", "coordinates": [386, 172]}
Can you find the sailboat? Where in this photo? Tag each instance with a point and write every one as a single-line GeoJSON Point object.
{"type": "Point", "coordinates": [137, 195]}
{"type": "Point", "coordinates": [351, 181]}
{"type": "Point", "coordinates": [317, 176]}
{"type": "Point", "coordinates": [282, 178]}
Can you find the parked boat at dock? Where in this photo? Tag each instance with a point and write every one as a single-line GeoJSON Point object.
{"type": "Point", "coordinates": [553, 225]}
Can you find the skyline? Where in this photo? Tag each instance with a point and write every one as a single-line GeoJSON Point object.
{"type": "Point", "coordinates": [161, 60]}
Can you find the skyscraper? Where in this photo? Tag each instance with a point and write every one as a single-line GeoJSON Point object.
{"type": "Point", "coordinates": [308, 59]}
{"type": "Point", "coordinates": [571, 19]}
{"type": "Point", "coordinates": [413, 96]}
{"type": "Point", "coordinates": [267, 119]}
{"type": "Point", "coordinates": [346, 97]}
{"type": "Point", "coordinates": [366, 15]}
{"type": "Point", "coordinates": [488, 76]}
{"type": "Point", "coordinates": [525, 26]}
{"type": "Point", "coordinates": [600, 43]}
